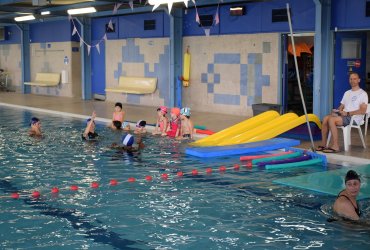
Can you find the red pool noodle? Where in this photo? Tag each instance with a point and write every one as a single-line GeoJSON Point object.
{"type": "Point", "coordinates": [252, 157]}
{"type": "Point", "coordinates": [296, 159]}
{"type": "Point", "coordinates": [205, 131]}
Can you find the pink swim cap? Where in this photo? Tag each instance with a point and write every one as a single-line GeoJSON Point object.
{"type": "Point", "coordinates": [163, 109]}
{"type": "Point", "coordinates": [175, 111]}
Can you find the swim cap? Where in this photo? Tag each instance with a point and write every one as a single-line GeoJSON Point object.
{"type": "Point", "coordinates": [351, 175]}
{"type": "Point", "coordinates": [118, 104]}
{"type": "Point", "coordinates": [141, 124]}
{"type": "Point", "coordinates": [34, 120]}
{"type": "Point", "coordinates": [175, 111]}
{"type": "Point", "coordinates": [185, 111]}
{"type": "Point", "coordinates": [163, 109]}
{"type": "Point", "coordinates": [127, 140]}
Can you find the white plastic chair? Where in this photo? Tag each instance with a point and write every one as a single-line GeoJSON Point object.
{"type": "Point", "coordinates": [367, 116]}
{"type": "Point", "coordinates": [347, 132]}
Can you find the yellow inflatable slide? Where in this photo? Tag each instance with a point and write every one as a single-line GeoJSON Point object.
{"type": "Point", "coordinates": [261, 127]}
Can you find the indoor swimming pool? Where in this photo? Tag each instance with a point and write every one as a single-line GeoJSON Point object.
{"type": "Point", "coordinates": [233, 209]}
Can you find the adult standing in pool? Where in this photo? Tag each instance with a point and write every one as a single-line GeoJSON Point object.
{"type": "Point", "coordinates": [346, 205]}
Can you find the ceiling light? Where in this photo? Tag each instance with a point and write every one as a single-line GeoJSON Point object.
{"type": "Point", "coordinates": [24, 18]}
{"type": "Point", "coordinates": [45, 13]}
{"type": "Point", "coordinates": [81, 11]}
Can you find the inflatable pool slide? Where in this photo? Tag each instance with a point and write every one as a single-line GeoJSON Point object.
{"type": "Point", "coordinates": [261, 127]}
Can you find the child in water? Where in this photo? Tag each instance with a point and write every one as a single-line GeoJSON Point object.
{"type": "Point", "coordinates": [35, 129]}
{"type": "Point", "coordinates": [187, 126]}
{"type": "Point", "coordinates": [89, 133]}
{"type": "Point", "coordinates": [140, 127]}
{"type": "Point", "coordinates": [175, 123]}
{"type": "Point", "coordinates": [127, 143]}
{"type": "Point", "coordinates": [162, 122]}
{"type": "Point", "coordinates": [118, 115]}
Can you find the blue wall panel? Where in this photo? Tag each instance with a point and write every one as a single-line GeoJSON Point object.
{"type": "Point", "coordinates": [98, 28]}
{"type": "Point", "coordinates": [257, 19]}
{"type": "Point", "coordinates": [132, 26]}
{"type": "Point", "coordinates": [12, 36]}
{"type": "Point", "coordinates": [53, 31]}
{"type": "Point", "coordinates": [191, 27]}
{"type": "Point", "coordinates": [349, 14]}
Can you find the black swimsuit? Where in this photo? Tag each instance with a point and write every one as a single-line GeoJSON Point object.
{"type": "Point", "coordinates": [357, 209]}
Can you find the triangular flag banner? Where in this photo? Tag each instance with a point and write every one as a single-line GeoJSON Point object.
{"type": "Point", "coordinates": [98, 48]}
{"type": "Point", "coordinates": [197, 17]}
{"type": "Point", "coordinates": [193, 1]}
{"type": "Point", "coordinates": [110, 25]}
{"type": "Point", "coordinates": [81, 42]}
{"type": "Point", "coordinates": [74, 30]}
{"type": "Point", "coordinates": [88, 49]}
{"type": "Point", "coordinates": [207, 31]}
{"type": "Point", "coordinates": [105, 37]}
{"type": "Point", "coordinates": [115, 8]}
{"type": "Point", "coordinates": [131, 3]}
{"type": "Point", "coordinates": [217, 18]}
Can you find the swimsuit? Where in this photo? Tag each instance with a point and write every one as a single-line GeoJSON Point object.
{"type": "Point", "coordinates": [357, 209]}
{"type": "Point", "coordinates": [90, 136]}
{"type": "Point", "coordinates": [117, 117]}
{"type": "Point", "coordinates": [174, 125]}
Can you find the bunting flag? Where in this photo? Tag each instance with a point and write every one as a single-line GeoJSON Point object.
{"type": "Point", "coordinates": [197, 19]}
{"type": "Point", "coordinates": [169, 6]}
{"type": "Point", "coordinates": [105, 38]}
{"type": "Point", "coordinates": [98, 48]}
{"type": "Point", "coordinates": [131, 3]}
{"type": "Point", "coordinates": [116, 7]}
{"type": "Point", "coordinates": [110, 25]}
{"type": "Point", "coordinates": [217, 19]}
{"type": "Point", "coordinates": [207, 31]}
{"type": "Point", "coordinates": [74, 30]}
{"type": "Point", "coordinates": [88, 49]}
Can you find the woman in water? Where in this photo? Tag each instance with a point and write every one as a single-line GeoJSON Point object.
{"type": "Point", "coordinates": [346, 205]}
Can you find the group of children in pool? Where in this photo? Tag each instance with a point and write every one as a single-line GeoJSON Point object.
{"type": "Point", "coordinates": [179, 126]}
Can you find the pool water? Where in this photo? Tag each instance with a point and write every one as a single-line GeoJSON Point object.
{"type": "Point", "coordinates": [232, 210]}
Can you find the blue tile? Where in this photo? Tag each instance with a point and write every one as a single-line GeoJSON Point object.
{"type": "Point", "coordinates": [117, 73]}
{"type": "Point", "coordinates": [42, 45]}
{"type": "Point", "coordinates": [243, 79]}
{"type": "Point", "coordinates": [266, 80]}
{"type": "Point", "coordinates": [216, 78]}
{"type": "Point", "coordinates": [211, 68]}
{"type": "Point", "coordinates": [227, 58]}
{"type": "Point", "coordinates": [210, 88]}
{"type": "Point", "coordinates": [131, 52]}
{"type": "Point", "coordinates": [258, 79]}
{"type": "Point", "coordinates": [251, 58]}
{"type": "Point", "coordinates": [226, 99]}
{"type": "Point", "coordinates": [250, 100]}
{"type": "Point", "coordinates": [204, 78]}
{"type": "Point", "coordinates": [133, 99]}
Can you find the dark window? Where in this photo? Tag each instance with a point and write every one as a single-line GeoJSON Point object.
{"type": "Point", "coordinates": [279, 15]}
{"type": "Point", "coordinates": [149, 24]}
{"type": "Point", "coordinates": [206, 20]}
{"type": "Point", "coordinates": [367, 11]}
{"type": "Point", "coordinates": [110, 29]}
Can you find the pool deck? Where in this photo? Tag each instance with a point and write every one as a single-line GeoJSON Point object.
{"type": "Point", "coordinates": [216, 122]}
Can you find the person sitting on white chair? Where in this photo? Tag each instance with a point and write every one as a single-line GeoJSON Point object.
{"type": "Point", "coordinates": [354, 102]}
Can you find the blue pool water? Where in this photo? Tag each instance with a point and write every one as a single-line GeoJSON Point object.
{"type": "Point", "coordinates": [233, 210]}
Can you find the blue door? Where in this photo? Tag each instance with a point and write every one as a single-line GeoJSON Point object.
{"type": "Point", "coordinates": [98, 69]}
{"type": "Point", "coordinates": [350, 56]}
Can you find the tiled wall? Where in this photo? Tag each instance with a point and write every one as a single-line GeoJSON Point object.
{"type": "Point", "coordinates": [10, 61]}
{"type": "Point", "coordinates": [141, 57]}
{"type": "Point", "coordinates": [54, 58]}
{"type": "Point", "coordinates": [230, 73]}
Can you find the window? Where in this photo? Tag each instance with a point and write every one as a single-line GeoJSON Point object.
{"type": "Point", "coordinates": [206, 20]}
{"type": "Point", "coordinates": [351, 48]}
{"type": "Point", "coordinates": [149, 24]}
{"type": "Point", "coordinates": [280, 15]}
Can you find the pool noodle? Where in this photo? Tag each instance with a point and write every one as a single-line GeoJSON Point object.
{"type": "Point", "coordinates": [296, 159]}
{"type": "Point", "coordinates": [200, 127]}
{"type": "Point", "coordinates": [252, 157]}
{"type": "Point", "coordinates": [294, 164]}
{"type": "Point", "coordinates": [280, 157]}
